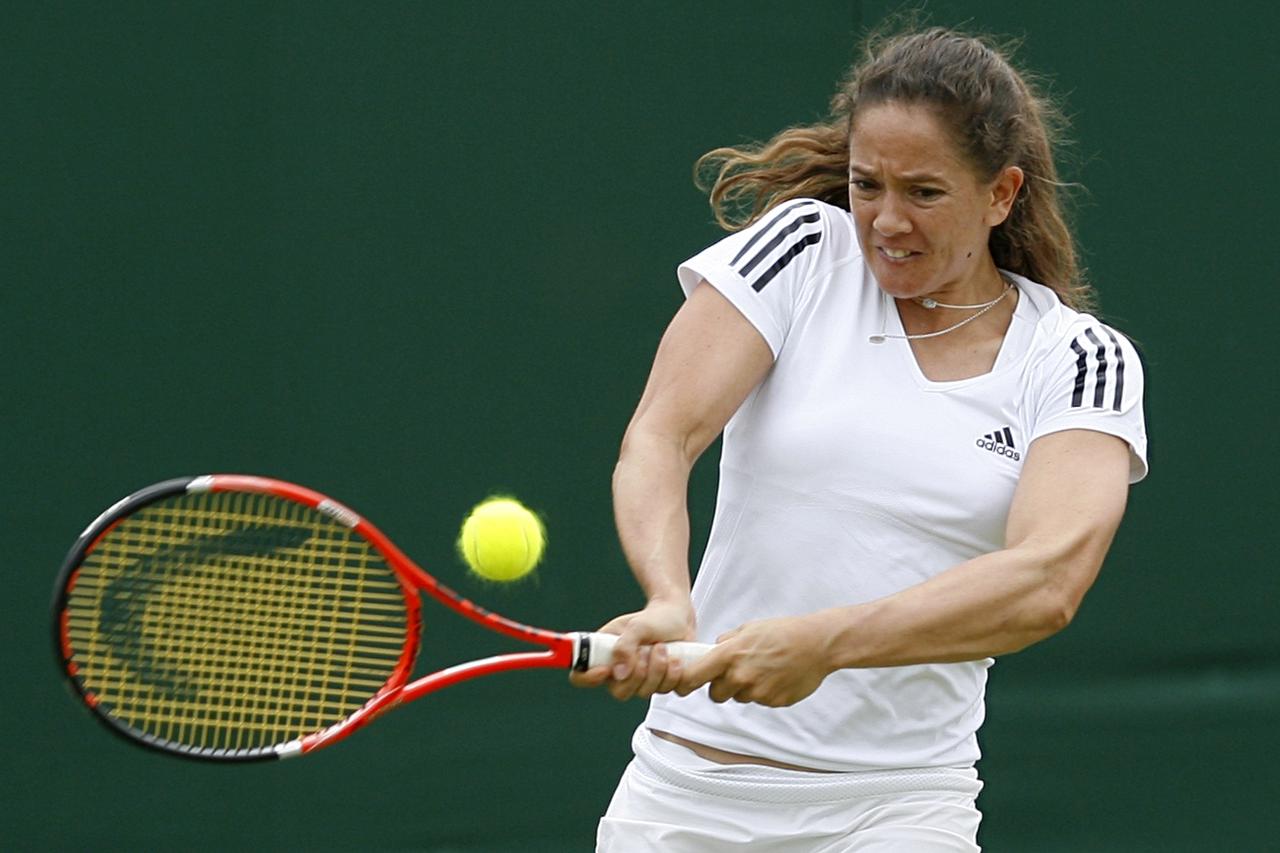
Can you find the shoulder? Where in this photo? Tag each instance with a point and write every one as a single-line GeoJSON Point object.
{"type": "Point", "coordinates": [1084, 338]}
{"type": "Point", "coordinates": [792, 242]}
{"type": "Point", "coordinates": [1084, 374]}
{"type": "Point", "coordinates": [1062, 332]}
{"type": "Point", "coordinates": [773, 269]}
{"type": "Point", "coordinates": [806, 226]}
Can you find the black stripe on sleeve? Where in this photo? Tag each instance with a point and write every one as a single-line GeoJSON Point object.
{"type": "Point", "coordinates": [776, 241]}
{"type": "Point", "coordinates": [1082, 370]}
{"type": "Point", "coordinates": [774, 221]}
{"type": "Point", "coordinates": [766, 276]}
{"type": "Point", "coordinates": [1115, 406]}
{"type": "Point", "coordinates": [1100, 384]}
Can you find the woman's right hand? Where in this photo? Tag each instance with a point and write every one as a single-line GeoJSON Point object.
{"type": "Point", "coordinates": [641, 666]}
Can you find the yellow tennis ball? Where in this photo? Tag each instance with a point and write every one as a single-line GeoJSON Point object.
{"type": "Point", "coordinates": [502, 540]}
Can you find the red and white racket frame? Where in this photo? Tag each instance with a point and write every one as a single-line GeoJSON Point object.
{"type": "Point", "coordinates": [576, 651]}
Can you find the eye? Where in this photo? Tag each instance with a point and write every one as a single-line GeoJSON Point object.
{"type": "Point", "coordinates": [862, 185]}
{"type": "Point", "coordinates": [929, 193]}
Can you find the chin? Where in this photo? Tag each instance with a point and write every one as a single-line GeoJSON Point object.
{"type": "Point", "coordinates": [901, 283]}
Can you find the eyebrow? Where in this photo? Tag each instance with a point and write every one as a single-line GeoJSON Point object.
{"type": "Point", "coordinates": [909, 177]}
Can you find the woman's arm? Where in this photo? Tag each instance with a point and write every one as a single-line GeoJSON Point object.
{"type": "Point", "coordinates": [1067, 506]}
{"type": "Point", "coordinates": [709, 360]}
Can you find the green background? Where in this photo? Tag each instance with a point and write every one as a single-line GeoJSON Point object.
{"type": "Point", "coordinates": [412, 253]}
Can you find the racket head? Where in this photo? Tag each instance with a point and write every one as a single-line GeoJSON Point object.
{"type": "Point", "coordinates": [232, 618]}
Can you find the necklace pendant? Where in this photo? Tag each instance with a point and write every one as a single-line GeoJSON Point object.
{"type": "Point", "coordinates": [929, 302]}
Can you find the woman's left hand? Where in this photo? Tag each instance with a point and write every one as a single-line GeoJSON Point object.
{"type": "Point", "coordinates": [774, 662]}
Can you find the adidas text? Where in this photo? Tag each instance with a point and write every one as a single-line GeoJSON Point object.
{"type": "Point", "coordinates": [1001, 449]}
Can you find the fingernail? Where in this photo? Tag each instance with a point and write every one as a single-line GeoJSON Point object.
{"type": "Point", "coordinates": [621, 671]}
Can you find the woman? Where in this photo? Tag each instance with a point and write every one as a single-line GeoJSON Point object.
{"type": "Point", "coordinates": [927, 451]}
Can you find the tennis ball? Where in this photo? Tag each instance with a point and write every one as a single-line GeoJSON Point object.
{"type": "Point", "coordinates": [502, 540]}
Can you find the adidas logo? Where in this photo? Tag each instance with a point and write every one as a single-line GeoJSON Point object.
{"type": "Point", "coordinates": [1001, 442]}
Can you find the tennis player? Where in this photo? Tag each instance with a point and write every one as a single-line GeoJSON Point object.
{"type": "Point", "coordinates": [928, 445]}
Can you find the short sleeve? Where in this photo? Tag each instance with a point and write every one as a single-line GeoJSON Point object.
{"type": "Point", "coordinates": [762, 269]}
{"type": "Point", "coordinates": [1094, 380]}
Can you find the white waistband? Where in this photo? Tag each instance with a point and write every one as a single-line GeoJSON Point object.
{"type": "Point", "coordinates": [677, 766]}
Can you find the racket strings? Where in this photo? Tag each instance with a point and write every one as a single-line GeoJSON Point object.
{"type": "Point", "coordinates": [233, 621]}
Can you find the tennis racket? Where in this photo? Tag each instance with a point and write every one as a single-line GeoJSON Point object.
{"type": "Point", "coordinates": [233, 618]}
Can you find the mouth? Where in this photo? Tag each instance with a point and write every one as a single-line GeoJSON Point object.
{"type": "Point", "coordinates": [895, 255]}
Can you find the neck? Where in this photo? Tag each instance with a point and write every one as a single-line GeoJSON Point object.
{"type": "Point", "coordinates": [928, 316]}
{"type": "Point", "coordinates": [985, 285]}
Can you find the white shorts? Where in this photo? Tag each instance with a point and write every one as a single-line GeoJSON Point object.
{"type": "Point", "coordinates": [670, 800]}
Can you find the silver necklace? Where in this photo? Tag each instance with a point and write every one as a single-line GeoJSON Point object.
{"type": "Point", "coordinates": [930, 303]}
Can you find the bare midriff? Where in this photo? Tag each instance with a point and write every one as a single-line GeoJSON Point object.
{"type": "Point", "coordinates": [720, 756]}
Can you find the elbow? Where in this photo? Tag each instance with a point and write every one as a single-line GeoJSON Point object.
{"type": "Point", "coordinates": [1056, 586]}
{"type": "Point", "coordinates": [645, 459]}
{"type": "Point", "coordinates": [1057, 614]}
{"type": "Point", "coordinates": [1042, 614]}
{"type": "Point", "coordinates": [1052, 612]}
{"type": "Point", "coordinates": [645, 442]}
{"type": "Point", "coordinates": [636, 450]}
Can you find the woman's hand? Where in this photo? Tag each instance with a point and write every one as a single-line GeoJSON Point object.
{"type": "Point", "coordinates": [774, 662]}
{"type": "Point", "coordinates": [641, 665]}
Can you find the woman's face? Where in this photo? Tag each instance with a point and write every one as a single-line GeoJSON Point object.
{"type": "Point", "coordinates": [922, 216]}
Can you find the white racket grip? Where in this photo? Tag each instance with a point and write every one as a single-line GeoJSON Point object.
{"type": "Point", "coordinates": [596, 649]}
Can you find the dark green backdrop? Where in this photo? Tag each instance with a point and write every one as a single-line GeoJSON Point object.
{"type": "Point", "coordinates": [409, 253]}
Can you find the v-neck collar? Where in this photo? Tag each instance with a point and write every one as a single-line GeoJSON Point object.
{"type": "Point", "coordinates": [1023, 312]}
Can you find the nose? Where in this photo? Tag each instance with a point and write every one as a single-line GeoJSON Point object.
{"type": "Point", "coordinates": [890, 219]}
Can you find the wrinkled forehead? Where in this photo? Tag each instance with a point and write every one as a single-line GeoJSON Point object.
{"type": "Point", "coordinates": [908, 141]}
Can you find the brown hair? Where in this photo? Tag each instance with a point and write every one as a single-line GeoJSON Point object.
{"type": "Point", "coordinates": [997, 118]}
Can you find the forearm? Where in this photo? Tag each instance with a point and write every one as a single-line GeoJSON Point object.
{"type": "Point", "coordinates": [1065, 513]}
{"type": "Point", "coordinates": [994, 604]}
{"type": "Point", "coordinates": [650, 487]}
{"type": "Point", "coordinates": [997, 603]}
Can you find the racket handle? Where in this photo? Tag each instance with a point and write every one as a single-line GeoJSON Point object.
{"type": "Point", "coordinates": [597, 650]}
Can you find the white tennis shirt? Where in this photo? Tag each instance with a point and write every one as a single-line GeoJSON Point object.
{"type": "Point", "coordinates": [847, 476]}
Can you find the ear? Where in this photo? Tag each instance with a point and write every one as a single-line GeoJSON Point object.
{"type": "Point", "coordinates": [1004, 191]}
